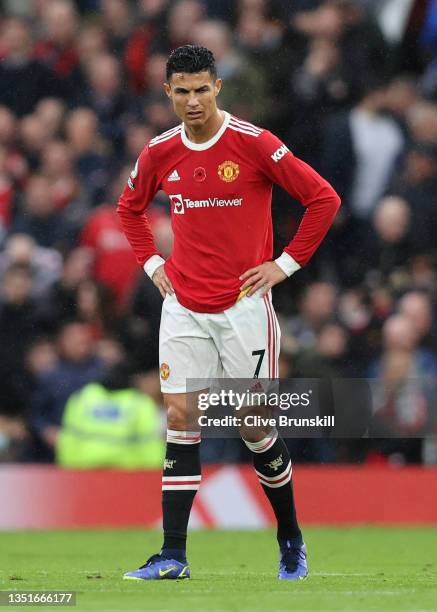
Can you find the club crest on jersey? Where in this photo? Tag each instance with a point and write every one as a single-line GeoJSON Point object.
{"type": "Point", "coordinates": [228, 171]}
{"type": "Point", "coordinates": [165, 371]}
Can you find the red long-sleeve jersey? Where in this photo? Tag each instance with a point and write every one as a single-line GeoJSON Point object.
{"type": "Point", "coordinates": [220, 193]}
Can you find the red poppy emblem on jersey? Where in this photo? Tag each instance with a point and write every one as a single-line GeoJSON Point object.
{"type": "Point", "coordinates": [228, 171]}
{"type": "Point", "coordinates": [199, 174]}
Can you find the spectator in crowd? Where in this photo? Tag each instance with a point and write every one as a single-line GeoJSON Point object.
{"type": "Point", "coordinates": [92, 42]}
{"type": "Point", "coordinates": [118, 23]}
{"type": "Point", "coordinates": [422, 122]}
{"type": "Point", "coordinates": [39, 217]}
{"type": "Point", "coordinates": [14, 165]}
{"type": "Point", "coordinates": [114, 263]}
{"type": "Point", "coordinates": [155, 74]}
{"type": "Point", "coordinates": [21, 320]}
{"type": "Point", "coordinates": [358, 34]}
{"type": "Point", "coordinates": [417, 306]}
{"type": "Point", "coordinates": [153, 18]}
{"type": "Point", "coordinates": [135, 136]}
{"type": "Point", "coordinates": [20, 72]}
{"type": "Point", "coordinates": [57, 47]}
{"type": "Point", "coordinates": [392, 228]}
{"type": "Point", "coordinates": [45, 264]}
{"type": "Point", "coordinates": [317, 307]}
{"type": "Point", "coordinates": [275, 52]}
{"type": "Point", "coordinates": [183, 15]}
{"type": "Point", "coordinates": [90, 152]}
{"type": "Point", "coordinates": [157, 113]}
{"type": "Point", "coordinates": [94, 306]}
{"type": "Point", "coordinates": [404, 397]}
{"type": "Point", "coordinates": [57, 166]}
{"type": "Point", "coordinates": [77, 366]}
{"type": "Point", "coordinates": [41, 358]}
{"type": "Point", "coordinates": [8, 127]}
{"type": "Point", "coordinates": [62, 297]}
{"type": "Point", "coordinates": [417, 186]}
{"type": "Point", "coordinates": [51, 112]}
{"type": "Point", "coordinates": [361, 150]}
{"type": "Point", "coordinates": [104, 94]}
{"type": "Point", "coordinates": [318, 83]}
{"type": "Point", "coordinates": [245, 85]}
{"type": "Point", "coordinates": [402, 99]}
{"type": "Point", "coordinates": [33, 139]}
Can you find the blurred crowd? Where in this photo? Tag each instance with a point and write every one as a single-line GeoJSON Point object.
{"type": "Point", "coordinates": [349, 85]}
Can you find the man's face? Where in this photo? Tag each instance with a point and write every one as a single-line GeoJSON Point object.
{"type": "Point", "coordinates": [76, 343]}
{"type": "Point", "coordinates": [193, 96]}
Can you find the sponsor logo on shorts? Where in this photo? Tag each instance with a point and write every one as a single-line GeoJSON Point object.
{"type": "Point", "coordinates": [169, 464]}
{"type": "Point", "coordinates": [279, 153]}
{"type": "Point", "coordinates": [228, 171]}
{"type": "Point", "coordinates": [165, 371]}
{"type": "Point", "coordinates": [180, 204]}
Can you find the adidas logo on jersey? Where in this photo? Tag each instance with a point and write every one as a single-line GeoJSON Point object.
{"type": "Point", "coordinates": [174, 176]}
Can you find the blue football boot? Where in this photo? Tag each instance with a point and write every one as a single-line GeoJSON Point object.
{"type": "Point", "coordinates": [293, 562]}
{"type": "Point", "coordinates": [160, 568]}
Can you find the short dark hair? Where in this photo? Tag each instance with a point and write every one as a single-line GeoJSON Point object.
{"type": "Point", "coordinates": [191, 59]}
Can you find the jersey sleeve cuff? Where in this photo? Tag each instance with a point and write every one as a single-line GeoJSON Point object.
{"type": "Point", "coordinates": [287, 264]}
{"type": "Point", "coordinates": [152, 264]}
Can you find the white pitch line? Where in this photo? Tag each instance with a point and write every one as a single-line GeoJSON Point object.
{"type": "Point", "coordinates": [341, 574]}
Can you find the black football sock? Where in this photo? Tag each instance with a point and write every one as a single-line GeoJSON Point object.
{"type": "Point", "coordinates": [180, 481]}
{"type": "Point", "coordinates": [272, 464]}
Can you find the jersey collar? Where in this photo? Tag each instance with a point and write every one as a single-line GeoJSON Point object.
{"type": "Point", "coordinates": [202, 146]}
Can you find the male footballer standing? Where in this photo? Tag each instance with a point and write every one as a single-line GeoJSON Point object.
{"type": "Point", "coordinates": [217, 316]}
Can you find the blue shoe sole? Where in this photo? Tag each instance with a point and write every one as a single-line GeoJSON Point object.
{"type": "Point", "coordinates": [293, 579]}
{"type": "Point", "coordinates": [182, 576]}
{"type": "Point", "coordinates": [152, 579]}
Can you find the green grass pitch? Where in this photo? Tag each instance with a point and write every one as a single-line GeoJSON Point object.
{"type": "Point", "coordinates": [364, 569]}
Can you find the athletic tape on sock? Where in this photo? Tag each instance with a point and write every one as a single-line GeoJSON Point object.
{"type": "Point", "coordinates": [183, 437]}
{"type": "Point", "coordinates": [263, 445]}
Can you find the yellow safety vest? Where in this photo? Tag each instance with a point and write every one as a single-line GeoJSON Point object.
{"type": "Point", "coordinates": [113, 429]}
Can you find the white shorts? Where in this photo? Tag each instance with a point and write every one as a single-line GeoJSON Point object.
{"type": "Point", "coordinates": [240, 342]}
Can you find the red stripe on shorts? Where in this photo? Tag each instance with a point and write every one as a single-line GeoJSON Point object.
{"type": "Point", "coordinates": [272, 316]}
{"type": "Point", "coordinates": [269, 337]}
